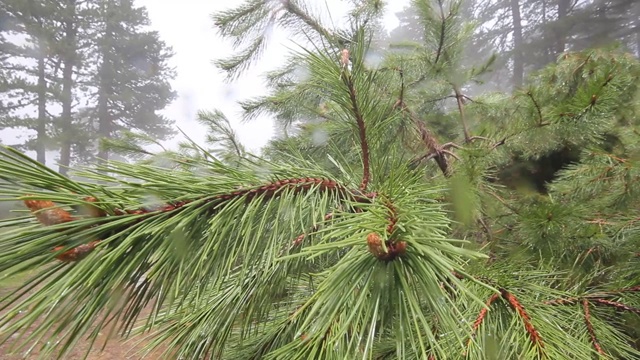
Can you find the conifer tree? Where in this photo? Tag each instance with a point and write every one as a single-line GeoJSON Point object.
{"type": "Point", "coordinates": [386, 240]}
{"type": "Point", "coordinates": [27, 85]}
{"type": "Point", "coordinates": [129, 80]}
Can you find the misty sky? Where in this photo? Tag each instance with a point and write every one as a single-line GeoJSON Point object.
{"type": "Point", "coordinates": [187, 27]}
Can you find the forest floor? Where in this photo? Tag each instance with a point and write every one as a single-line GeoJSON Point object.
{"type": "Point", "coordinates": [115, 349]}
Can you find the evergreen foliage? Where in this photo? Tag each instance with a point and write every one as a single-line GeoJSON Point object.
{"type": "Point", "coordinates": [397, 223]}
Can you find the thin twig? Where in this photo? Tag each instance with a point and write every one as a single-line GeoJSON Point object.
{"type": "Point", "coordinates": [535, 103]}
{"type": "Point", "coordinates": [297, 11]}
{"type": "Point", "coordinates": [348, 79]}
{"type": "Point", "coordinates": [463, 121]}
{"type": "Point", "coordinates": [526, 319]}
{"type": "Point", "coordinates": [592, 333]}
{"type": "Point", "coordinates": [481, 317]}
{"type": "Point", "coordinates": [443, 28]}
{"type": "Point", "coordinates": [618, 305]}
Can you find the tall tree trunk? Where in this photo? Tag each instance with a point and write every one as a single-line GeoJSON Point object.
{"type": "Point", "coordinates": [518, 58]}
{"type": "Point", "coordinates": [41, 127]}
{"type": "Point", "coordinates": [637, 23]}
{"type": "Point", "coordinates": [105, 90]}
{"type": "Point", "coordinates": [561, 31]}
{"type": "Point", "coordinates": [69, 57]}
{"type": "Point", "coordinates": [104, 117]}
{"type": "Point", "coordinates": [548, 52]}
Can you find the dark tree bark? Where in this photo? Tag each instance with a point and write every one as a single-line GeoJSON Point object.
{"type": "Point", "coordinates": [518, 58]}
{"type": "Point", "coordinates": [561, 31]}
{"type": "Point", "coordinates": [41, 127]}
{"type": "Point", "coordinates": [69, 59]}
{"type": "Point", "coordinates": [105, 90]}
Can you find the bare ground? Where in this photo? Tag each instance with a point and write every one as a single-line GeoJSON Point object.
{"type": "Point", "coordinates": [115, 349]}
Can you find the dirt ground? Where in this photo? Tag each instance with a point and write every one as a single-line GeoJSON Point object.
{"type": "Point", "coordinates": [116, 348]}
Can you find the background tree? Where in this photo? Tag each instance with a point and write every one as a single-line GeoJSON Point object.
{"type": "Point", "coordinates": [69, 62]}
{"type": "Point", "coordinates": [130, 82]}
{"type": "Point", "coordinates": [88, 69]}
{"type": "Point", "coordinates": [27, 36]}
{"type": "Point", "coordinates": [349, 247]}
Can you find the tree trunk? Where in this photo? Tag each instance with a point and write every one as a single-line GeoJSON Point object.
{"type": "Point", "coordinates": [41, 128]}
{"type": "Point", "coordinates": [637, 23]}
{"type": "Point", "coordinates": [104, 118]}
{"type": "Point", "coordinates": [561, 31]}
{"type": "Point", "coordinates": [548, 52]}
{"type": "Point", "coordinates": [518, 59]}
{"type": "Point", "coordinates": [105, 90]}
{"type": "Point", "coordinates": [68, 56]}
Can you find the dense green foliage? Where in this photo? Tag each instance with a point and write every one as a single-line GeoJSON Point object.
{"type": "Point", "coordinates": [399, 219]}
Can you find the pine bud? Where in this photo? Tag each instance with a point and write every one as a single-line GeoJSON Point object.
{"type": "Point", "coordinates": [47, 213]}
{"type": "Point", "coordinates": [400, 248]}
{"type": "Point", "coordinates": [375, 245]}
{"type": "Point", "coordinates": [344, 58]}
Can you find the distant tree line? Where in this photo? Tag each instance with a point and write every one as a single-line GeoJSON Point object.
{"type": "Point", "coordinates": [73, 72]}
{"type": "Point", "coordinates": [530, 34]}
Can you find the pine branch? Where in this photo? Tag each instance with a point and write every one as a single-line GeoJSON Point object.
{"type": "Point", "coordinates": [463, 121]}
{"type": "Point", "coordinates": [526, 319]}
{"type": "Point", "coordinates": [481, 317]}
{"type": "Point", "coordinates": [535, 103]}
{"type": "Point", "coordinates": [49, 214]}
{"type": "Point", "coordinates": [434, 149]}
{"type": "Point", "coordinates": [443, 27]}
{"type": "Point", "coordinates": [364, 146]}
{"type": "Point", "coordinates": [617, 305]}
{"type": "Point", "coordinates": [312, 23]}
{"type": "Point", "coordinates": [592, 333]}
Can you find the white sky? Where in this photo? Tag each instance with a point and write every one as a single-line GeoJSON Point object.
{"type": "Point", "coordinates": [187, 27]}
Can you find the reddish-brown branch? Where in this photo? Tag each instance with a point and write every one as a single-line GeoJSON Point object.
{"type": "Point", "coordinates": [593, 297]}
{"type": "Point", "coordinates": [434, 149]}
{"type": "Point", "coordinates": [77, 253]}
{"type": "Point", "coordinates": [481, 316]}
{"type": "Point", "coordinates": [629, 289]}
{"type": "Point", "coordinates": [617, 305]}
{"type": "Point", "coordinates": [526, 319]}
{"type": "Point", "coordinates": [361, 132]}
{"type": "Point", "coordinates": [393, 217]}
{"type": "Point", "coordinates": [48, 213]}
{"type": "Point", "coordinates": [564, 301]}
{"type": "Point", "coordinates": [592, 333]}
